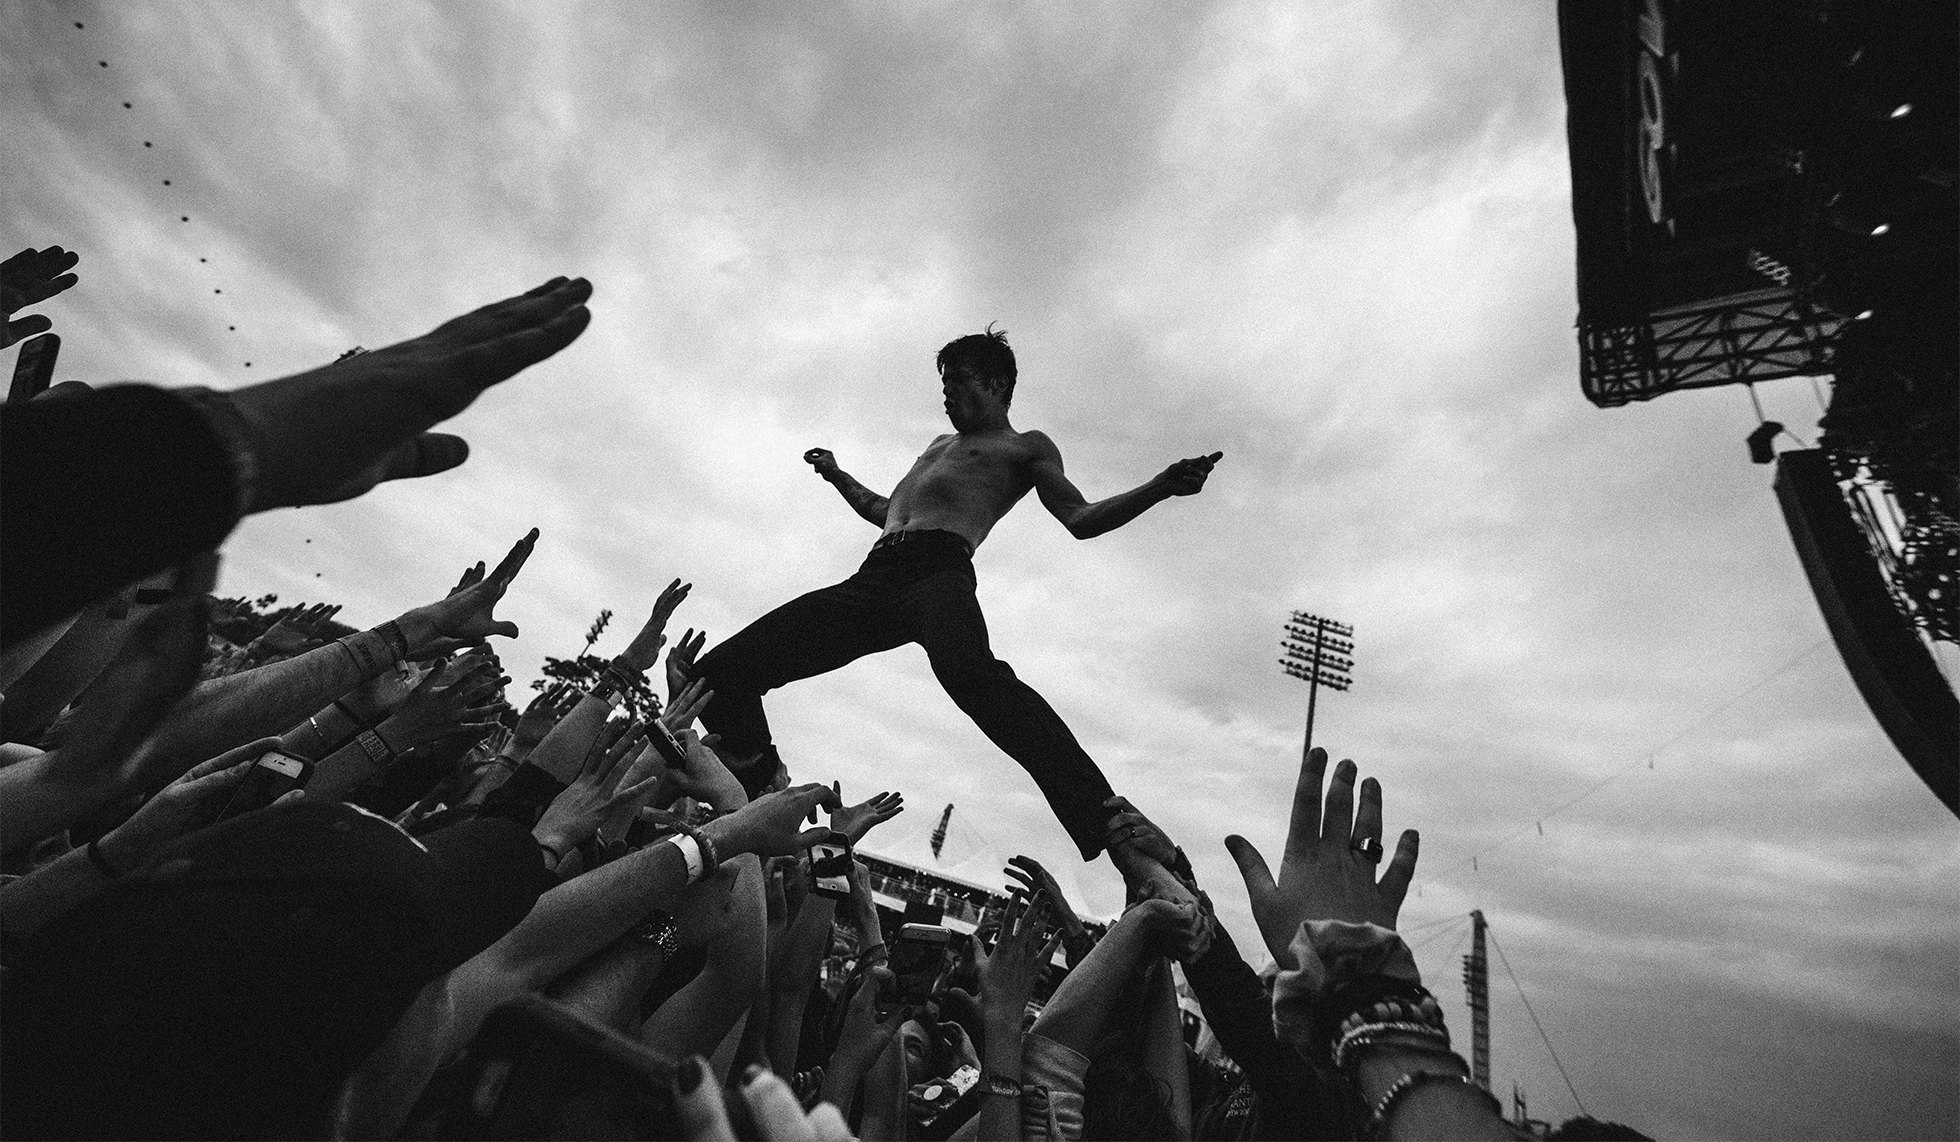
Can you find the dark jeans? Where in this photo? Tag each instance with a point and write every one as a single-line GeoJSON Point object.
{"type": "Point", "coordinates": [917, 590]}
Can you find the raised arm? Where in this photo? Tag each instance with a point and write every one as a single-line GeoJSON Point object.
{"type": "Point", "coordinates": [1086, 520]}
{"type": "Point", "coordinates": [863, 500]}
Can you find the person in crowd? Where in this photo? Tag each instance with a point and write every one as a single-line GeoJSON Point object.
{"type": "Point", "coordinates": [1347, 996]}
{"type": "Point", "coordinates": [80, 524]}
{"type": "Point", "coordinates": [442, 915]}
{"type": "Point", "coordinates": [917, 585]}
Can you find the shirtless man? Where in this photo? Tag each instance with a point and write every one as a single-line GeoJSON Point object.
{"type": "Point", "coordinates": [917, 585]}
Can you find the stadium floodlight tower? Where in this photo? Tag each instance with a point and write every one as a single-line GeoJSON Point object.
{"type": "Point", "coordinates": [1316, 653]}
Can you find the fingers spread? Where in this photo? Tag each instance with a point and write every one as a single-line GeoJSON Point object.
{"type": "Point", "coordinates": [1401, 870]}
{"type": "Point", "coordinates": [1252, 866]}
{"type": "Point", "coordinates": [1304, 832]}
{"type": "Point", "coordinates": [514, 562]}
{"type": "Point", "coordinates": [1368, 816]}
{"type": "Point", "coordinates": [1338, 824]}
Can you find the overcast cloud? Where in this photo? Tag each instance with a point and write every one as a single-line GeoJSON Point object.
{"type": "Point", "coordinates": [1331, 240]}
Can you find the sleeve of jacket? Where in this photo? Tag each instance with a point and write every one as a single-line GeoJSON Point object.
{"type": "Point", "coordinates": [1240, 1014]}
{"type": "Point", "coordinates": [103, 488]}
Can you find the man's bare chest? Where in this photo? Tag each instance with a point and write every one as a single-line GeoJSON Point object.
{"type": "Point", "coordinates": [952, 466]}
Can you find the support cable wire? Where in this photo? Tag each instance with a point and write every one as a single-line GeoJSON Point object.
{"type": "Point", "coordinates": [1542, 1037]}
{"type": "Point", "coordinates": [1434, 936]}
{"type": "Point", "coordinates": [1762, 419]}
{"type": "Point", "coordinates": [1404, 931]}
{"type": "Point", "coordinates": [1461, 934]}
{"type": "Point", "coordinates": [1646, 755]}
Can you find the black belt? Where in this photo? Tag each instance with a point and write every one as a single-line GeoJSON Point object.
{"type": "Point", "coordinates": [932, 535]}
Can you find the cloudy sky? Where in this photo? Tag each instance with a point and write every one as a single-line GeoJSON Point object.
{"type": "Point", "coordinates": [1331, 240]}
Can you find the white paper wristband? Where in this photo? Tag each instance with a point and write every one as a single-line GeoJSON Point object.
{"type": "Point", "coordinates": [690, 851]}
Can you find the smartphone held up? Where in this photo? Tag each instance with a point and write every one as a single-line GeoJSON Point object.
{"type": "Point", "coordinates": [830, 870]}
{"type": "Point", "coordinates": [271, 777]}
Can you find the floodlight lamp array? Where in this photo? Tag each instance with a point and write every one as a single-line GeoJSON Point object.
{"type": "Point", "coordinates": [1324, 646]}
{"type": "Point", "coordinates": [1311, 622]}
{"type": "Point", "coordinates": [1325, 678]}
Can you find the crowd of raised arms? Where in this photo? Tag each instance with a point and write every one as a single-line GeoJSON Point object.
{"type": "Point", "coordinates": [330, 883]}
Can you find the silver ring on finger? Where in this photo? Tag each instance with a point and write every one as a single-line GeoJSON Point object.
{"type": "Point", "coordinates": [1370, 848]}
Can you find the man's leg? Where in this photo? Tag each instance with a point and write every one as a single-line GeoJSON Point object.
{"type": "Point", "coordinates": [948, 623]}
{"type": "Point", "coordinates": [809, 635]}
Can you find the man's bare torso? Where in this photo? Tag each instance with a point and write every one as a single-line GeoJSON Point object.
{"type": "Point", "coordinates": [964, 483]}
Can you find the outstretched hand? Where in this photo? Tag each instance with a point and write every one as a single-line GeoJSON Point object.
{"type": "Point", "coordinates": [870, 1018]}
{"type": "Point", "coordinates": [30, 277]}
{"type": "Point", "coordinates": [1328, 872]}
{"type": "Point", "coordinates": [680, 662]}
{"type": "Point", "coordinates": [1035, 880]}
{"type": "Point", "coordinates": [583, 806]}
{"type": "Point", "coordinates": [1187, 477]}
{"type": "Point", "coordinates": [854, 821]}
{"type": "Point", "coordinates": [705, 779]}
{"type": "Point", "coordinates": [770, 825]}
{"type": "Point", "coordinates": [294, 634]}
{"type": "Point", "coordinates": [644, 650]}
{"type": "Point", "coordinates": [467, 615]}
{"type": "Point", "coordinates": [462, 698]}
{"type": "Point", "coordinates": [687, 705]}
{"type": "Point", "coordinates": [183, 806]}
{"type": "Point", "coordinates": [333, 432]}
{"type": "Point", "coordinates": [1128, 825]}
{"type": "Point", "coordinates": [1013, 968]}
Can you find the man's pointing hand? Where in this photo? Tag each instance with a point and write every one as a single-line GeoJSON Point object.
{"type": "Point", "coordinates": [1187, 477]}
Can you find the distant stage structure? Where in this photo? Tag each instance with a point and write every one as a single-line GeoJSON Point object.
{"type": "Point", "coordinates": [1764, 189]}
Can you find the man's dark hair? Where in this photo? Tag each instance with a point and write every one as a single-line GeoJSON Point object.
{"type": "Point", "coordinates": [986, 356]}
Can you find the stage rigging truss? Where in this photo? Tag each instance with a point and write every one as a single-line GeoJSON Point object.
{"type": "Point", "coordinates": [1765, 189]}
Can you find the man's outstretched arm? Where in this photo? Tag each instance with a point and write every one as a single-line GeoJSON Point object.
{"type": "Point", "coordinates": [1086, 520]}
{"type": "Point", "coordinates": [863, 500]}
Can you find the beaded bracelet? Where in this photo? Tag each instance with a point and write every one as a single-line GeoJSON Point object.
{"type": "Point", "coordinates": [1394, 1008]}
{"type": "Point", "coordinates": [1373, 1034]}
{"type": "Point", "coordinates": [1355, 1002]}
{"type": "Point", "coordinates": [1402, 1086]}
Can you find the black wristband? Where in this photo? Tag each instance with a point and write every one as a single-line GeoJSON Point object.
{"type": "Point", "coordinates": [1356, 995]}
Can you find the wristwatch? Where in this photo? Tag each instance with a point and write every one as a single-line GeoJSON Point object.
{"type": "Point", "coordinates": [658, 929]}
